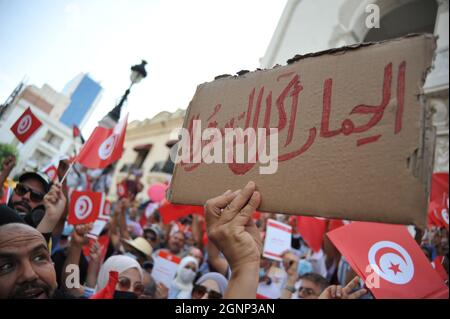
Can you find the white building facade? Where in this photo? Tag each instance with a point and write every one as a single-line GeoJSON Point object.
{"type": "Point", "coordinates": [51, 140]}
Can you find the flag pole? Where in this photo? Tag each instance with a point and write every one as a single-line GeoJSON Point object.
{"type": "Point", "coordinates": [66, 173]}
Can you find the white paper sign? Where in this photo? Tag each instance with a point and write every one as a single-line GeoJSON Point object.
{"type": "Point", "coordinates": [278, 239]}
{"type": "Point", "coordinates": [165, 268]}
{"type": "Point", "coordinates": [273, 290]}
{"type": "Point", "coordinates": [97, 228]}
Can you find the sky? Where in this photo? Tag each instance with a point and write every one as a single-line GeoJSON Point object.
{"type": "Point", "coordinates": [185, 42]}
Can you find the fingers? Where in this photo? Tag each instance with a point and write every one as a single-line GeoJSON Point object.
{"type": "Point", "coordinates": [353, 284]}
{"type": "Point", "coordinates": [214, 206]}
{"type": "Point", "coordinates": [83, 229]}
{"type": "Point", "coordinates": [239, 202]}
{"type": "Point", "coordinates": [54, 195]}
{"type": "Point", "coordinates": [339, 293]}
{"type": "Point", "coordinates": [332, 290]}
{"type": "Point", "coordinates": [357, 294]}
{"type": "Point", "coordinates": [246, 212]}
{"type": "Point", "coordinates": [220, 201]}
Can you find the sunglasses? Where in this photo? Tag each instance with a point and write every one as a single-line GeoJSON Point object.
{"type": "Point", "coordinates": [199, 291]}
{"type": "Point", "coordinates": [125, 284]}
{"type": "Point", "coordinates": [35, 196]}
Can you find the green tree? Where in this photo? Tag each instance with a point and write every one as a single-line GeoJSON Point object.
{"type": "Point", "coordinates": [6, 150]}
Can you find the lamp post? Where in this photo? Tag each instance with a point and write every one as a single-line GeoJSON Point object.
{"type": "Point", "coordinates": [138, 73]}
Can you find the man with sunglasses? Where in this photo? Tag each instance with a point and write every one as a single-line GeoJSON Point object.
{"type": "Point", "coordinates": [29, 193]}
{"type": "Point", "coordinates": [39, 203]}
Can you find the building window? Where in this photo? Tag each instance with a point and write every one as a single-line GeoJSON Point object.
{"type": "Point", "coordinates": [412, 17]}
{"type": "Point", "coordinates": [53, 139]}
{"type": "Point", "coordinates": [126, 168]}
{"type": "Point", "coordinates": [41, 158]}
{"type": "Point", "coordinates": [142, 153]}
{"type": "Point", "coordinates": [157, 167]}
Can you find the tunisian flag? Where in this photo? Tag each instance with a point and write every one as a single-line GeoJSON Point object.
{"type": "Point", "coordinates": [104, 146]}
{"type": "Point", "coordinates": [85, 207]}
{"type": "Point", "coordinates": [171, 212]}
{"type": "Point", "coordinates": [312, 230]}
{"type": "Point", "coordinates": [26, 125]}
{"type": "Point", "coordinates": [438, 208]}
{"type": "Point", "coordinates": [388, 259]}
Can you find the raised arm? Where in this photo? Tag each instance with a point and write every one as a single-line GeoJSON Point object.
{"type": "Point", "coordinates": [7, 166]}
{"type": "Point", "coordinates": [78, 239]}
{"type": "Point", "coordinates": [231, 228]}
{"type": "Point", "coordinates": [55, 205]}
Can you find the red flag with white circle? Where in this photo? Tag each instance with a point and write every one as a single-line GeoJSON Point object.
{"type": "Point", "coordinates": [26, 125]}
{"type": "Point", "coordinates": [104, 146]}
{"type": "Point", "coordinates": [388, 259]}
{"type": "Point", "coordinates": [51, 171]}
{"type": "Point", "coordinates": [105, 214]}
{"type": "Point", "coordinates": [85, 207]}
{"type": "Point", "coordinates": [439, 203]}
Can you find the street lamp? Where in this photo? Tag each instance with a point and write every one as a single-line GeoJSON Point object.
{"type": "Point", "coordinates": [138, 72]}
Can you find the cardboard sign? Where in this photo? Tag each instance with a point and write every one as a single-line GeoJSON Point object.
{"type": "Point", "coordinates": [355, 139]}
{"type": "Point", "coordinates": [165, 268]}
{"type": "Point", "coordinates": [278, 239]}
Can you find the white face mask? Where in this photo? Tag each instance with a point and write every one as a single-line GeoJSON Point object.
{"type": "Point", "coordinates": [187, 275]}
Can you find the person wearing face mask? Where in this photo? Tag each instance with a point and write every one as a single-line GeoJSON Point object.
{"type": "Point", "coordinates": [182, 284]}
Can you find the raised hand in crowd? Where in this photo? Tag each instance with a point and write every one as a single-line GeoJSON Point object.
{"type": "Point", "coordinates": [162, 292]}
{"type": "Point", "coordinates": [231, 228]}
{"type": "Point", "coordinates": [77, 240]}
{"type": "Point", "coordinates": [55, 205]}
{"type": "Point", "coordinates": [215, 260]}
{"type": "Point", "coordinates": [347, 292]}
{"type": "Point", "coordinates": [118, 228]}
{"type": "Point", "coordinates": [93, 265]}
{"type": "Point", "coordinates": [290, 263]}
{"type": "Point", "coordinates": [8, 164]}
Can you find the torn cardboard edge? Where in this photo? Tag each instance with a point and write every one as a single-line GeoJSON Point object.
{"type": "Point", "coordinates": [421, 161]}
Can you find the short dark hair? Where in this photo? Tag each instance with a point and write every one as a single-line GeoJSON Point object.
{"type": "Point", "coordinates": [317, 279]}
{"type": "Point", "coordinates": [9, 216]}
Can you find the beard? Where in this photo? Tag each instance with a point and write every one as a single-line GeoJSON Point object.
{"type": "Point", "coordinates": [21, 207]}
{"type": "Point", "coordinates": [32, 290]}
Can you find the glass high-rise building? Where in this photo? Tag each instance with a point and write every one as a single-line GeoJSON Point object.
{"type": "Point", "coordinates": [84, 94]}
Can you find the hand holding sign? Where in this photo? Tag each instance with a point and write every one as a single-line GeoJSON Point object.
{"type": "Point", "coordinates": [95, 252]}
{"type": "Point", "coordinates": [231, 228]}
{"type": "Point", "coordinates": [79, 235]}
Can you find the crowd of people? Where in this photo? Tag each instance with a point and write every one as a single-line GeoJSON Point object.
{"type": "Point", "coordinates": [219, 253]}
